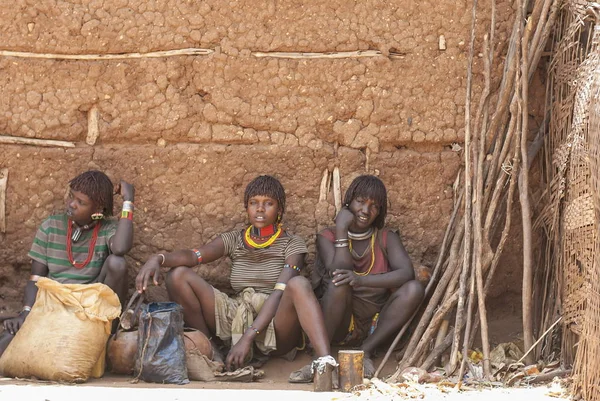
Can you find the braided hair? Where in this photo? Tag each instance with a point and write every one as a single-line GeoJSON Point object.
{"type": "Point", "coordinates": [369, 187]}
{"type": "Point", "coordinates": [97, 186]}
{"type": "Point", "coordinates": [266, 185]}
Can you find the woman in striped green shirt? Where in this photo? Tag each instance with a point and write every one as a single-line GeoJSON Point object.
{"type": "Point", "coordinates": [82, 245]}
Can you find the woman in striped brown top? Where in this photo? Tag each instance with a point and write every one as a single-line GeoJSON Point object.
{"type": "Point", "coordinates": [272, 304]}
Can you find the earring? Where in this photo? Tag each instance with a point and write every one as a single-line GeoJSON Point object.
{"type": "Point", "coordinates": [278, 218]}
{"type": "Point", "coordinates": [97, 216]}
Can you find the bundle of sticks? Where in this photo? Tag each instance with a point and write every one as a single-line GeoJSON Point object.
{"type": "Point", "coordinates": [497, 157]}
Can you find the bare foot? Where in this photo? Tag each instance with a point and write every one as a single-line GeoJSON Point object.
{"type": "Point", "coordinates": [302, 375]}
{"type": "Point", "coordinates": [217, 355]}
{"type": "Point", "coordinates": [368, 368]}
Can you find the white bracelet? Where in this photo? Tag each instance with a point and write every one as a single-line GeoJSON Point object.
{"type": "Point", "coordinates": [163, 259]}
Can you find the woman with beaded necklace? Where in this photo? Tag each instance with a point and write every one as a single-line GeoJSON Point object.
{"type": "Point", "coordinates": [363, 274]}
{"type": "Point", "coordinates": [272, 304]}
{"type": "Point", "coordinates": [83, 245]}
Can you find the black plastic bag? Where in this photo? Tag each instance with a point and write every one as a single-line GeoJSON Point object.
{"type": "Point", "coordinates": [160, 356]}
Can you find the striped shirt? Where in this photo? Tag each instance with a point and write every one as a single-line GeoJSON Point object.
{"type": "Point", "coordinates": [50, 248]}
{"type": "Point", "coordinates": [259, 268]}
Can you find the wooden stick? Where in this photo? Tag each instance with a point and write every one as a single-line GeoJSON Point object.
{"type": "Point", "coordinates": [453, 265]}
{"type": "Point", "coordinates": [120, 56]}
{"type": "Point", "coordinates": [435, 323]}
{"type": "Point", "coordinates": [93, 131]}
{"type": "Point", "coordinates": [478, 237]}
{"type": "Point", "coordinates": [337, 190]}
{"type": "Point", "coordinates": [3, 184]}
{"type": "Point", "coordinates": [547, 376]}
{"type": "Point", "coordinates": [326, 55]}
{"type": "Point", "coordinates": [524, 199]}
{"type": "Point", "coordinates": [468, 198]}
{"type": "Point", "coordinates": [324, 188]}
{"type": "Point", "coordinates": [17, 140]}
{"type": "Point", "coordinates": [539, 339]}
{"type": "Point", "coordinates": [468, 320]}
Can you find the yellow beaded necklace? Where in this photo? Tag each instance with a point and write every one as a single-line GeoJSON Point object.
{"type": "Point", "coordinates": [372, 255]}
{"type": "Point", "coordinates": [265, 244]}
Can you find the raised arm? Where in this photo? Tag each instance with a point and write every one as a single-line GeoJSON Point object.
{"type": "Point", "coordinates": [337, 258]}
{"type": "Point", "coordinates": [122, 241]}
{"type": "Point", "coordinates": [183, 257]}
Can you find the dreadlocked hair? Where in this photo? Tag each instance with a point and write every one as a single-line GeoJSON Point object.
{"type": "Point", "coordinates": [97, 186]}
{"type": "Point", "coordinates": [369, 187]}
{"type": "Point", "coordinates": [266, 185]}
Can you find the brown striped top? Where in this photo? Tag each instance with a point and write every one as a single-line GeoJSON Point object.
{"type": "Point", "coordinates": [259, 268]}
{"type": "Point", "coordinates": [50, 248]}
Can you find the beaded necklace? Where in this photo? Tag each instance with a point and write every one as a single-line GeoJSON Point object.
{"type": "Point", "coordinates": [360, 236]}
{"type": "Point", "coordinates": [90, 248]}
{"type": "Point", "coordinates": [372, 246]}
{"type": "Point", "coordinates": [250, 242]}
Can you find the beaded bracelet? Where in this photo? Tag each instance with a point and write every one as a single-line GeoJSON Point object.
{"type": "Point", "coordinates": [128, 206]}
{"type": "Point", "coordinates": [198, 255]}
{"type": "Point", "coordinates": [254, 329]}
{"type": "Point", "coordinates": [293, 267]}
{"type": "Point", "coordinates": [126, 214]}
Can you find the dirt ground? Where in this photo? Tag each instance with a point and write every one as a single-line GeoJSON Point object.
{"type": "Point", "coordinates": [273, 386]}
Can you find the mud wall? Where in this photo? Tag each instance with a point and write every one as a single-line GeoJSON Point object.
{"type": "Point", "coordinates": [190, 131]}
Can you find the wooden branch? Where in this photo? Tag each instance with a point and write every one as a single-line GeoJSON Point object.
{"type": "Point", "coordinates": [435, 323]}
{"type": "Point", "coordinates": [524, 199]}
{"type": "Point", "coordinates": [547, 376]}
{"type": "Point", "coordinates": [3, 184]}
{"type": "Point", "coordinates": [478, 237]}
{"type": "Point", "coordinates": [468, 320]}
{"type": "Point", "coordinates": [468, 198]}
{"type": "Point", "coordinates": [453, 265]}
{"type": "Point", "coordinates": [120, 56]}
{"type": "Point", "coordinates": [17, 140]}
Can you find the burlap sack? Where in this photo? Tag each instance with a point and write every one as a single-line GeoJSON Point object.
{"type": "Point", "coordinates": [64, 337]}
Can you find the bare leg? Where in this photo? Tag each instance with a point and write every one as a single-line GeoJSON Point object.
{"type": "Point", "coordinates": [197, 298]}
{"type": "Point", "coordinates": [299, 309]}
{"type": "Point", "coordinates": [5, 339]}
{"type": "Point", "coordinates": [114, 275]}
{"type": "Point", "coordinates": [394, 314]}
{"type": "Point", "coordinates": [299, 306]}
{"type": "Point", "coordinates": [337, 310]}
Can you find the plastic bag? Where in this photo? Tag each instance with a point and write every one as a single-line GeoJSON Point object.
{"type": "Point", "coordinates": [64, 337]}
{"type": "Point", "coordinates": [161, 351]}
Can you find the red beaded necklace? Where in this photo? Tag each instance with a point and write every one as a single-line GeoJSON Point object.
{"type": "Point", "coordinates": [90, 248]}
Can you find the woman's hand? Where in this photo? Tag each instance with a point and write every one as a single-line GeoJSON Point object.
{"type": "Point", "coordinates": [150, 270]}
{"type": "Point", "coordinates": [238, 353]}
{"type": "Point", "coordinates": [127, 191]}
{"type": "Point", "coordinates": [13, 325]}
{"type": "Point", "coordinates": [343, 277]}
{"type": "Point", "coordinates": [344, 218]}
